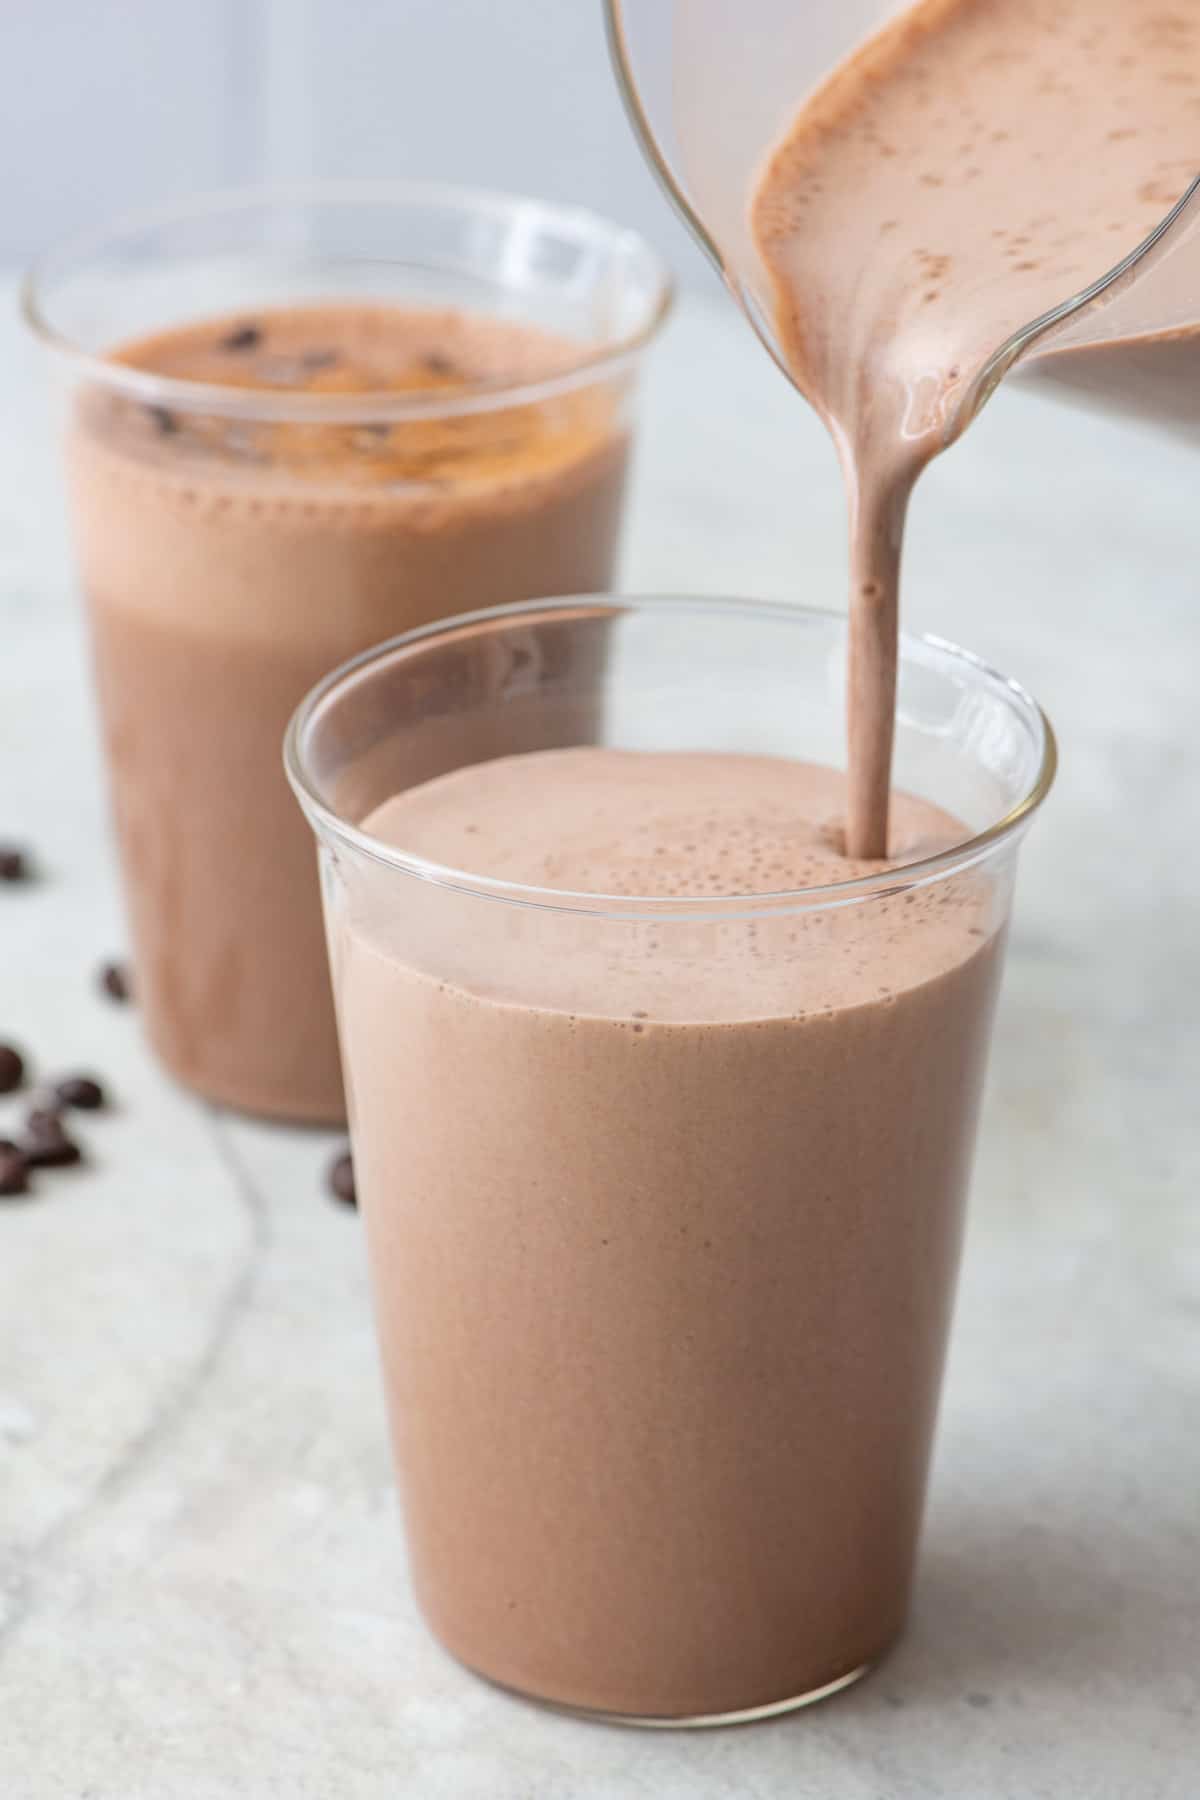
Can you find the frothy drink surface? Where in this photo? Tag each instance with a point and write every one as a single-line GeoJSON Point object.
{"type": "Point", "coordinates": [230, 563]}
{"type": "Point", "coordinates": [664, 1219]}
{"type": "Point", "coordinates": [968, 169]}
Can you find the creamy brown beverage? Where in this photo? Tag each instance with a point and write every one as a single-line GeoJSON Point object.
{"type": "Point", "coordinates": [973, 165]}
{"type": "Point", "coordinates": [229, 563]}
{"type": "Point", "coordinates": [1153, 377]}
{"type": "Point", "coordinates": [662, 1307]}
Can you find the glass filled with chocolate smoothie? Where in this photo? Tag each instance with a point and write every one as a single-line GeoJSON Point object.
{"type": "Point", "coordinates": [297, 423]}
{"type": "Point", "coordinates": [663, 1109]}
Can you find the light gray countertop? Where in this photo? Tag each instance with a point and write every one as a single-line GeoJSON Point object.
{"type": "Point", "coordinates": [202, 1584]}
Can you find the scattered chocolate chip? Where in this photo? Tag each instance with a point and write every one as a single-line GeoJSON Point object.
{"type": "Point", "coordinates": [44, 1119]}
{"type": "Point", "coordinates": [438, 363]}
{"type": "Point", "coordinates": [82, 1091]}
{"type": "Point", "coordinates": [46, 1145]}
{"type": "Point", "coordinates": [14, 1172]}
{"type": "Point", "coordinates": [14, 864]}
{"type": "Point", "coordinates": [114, 979]}
{"type": "Point", "coordinates": [12, 1068]}
{"type": "Point", "coordinates": [341, 1179]}
{"type": "Point", "coordinates": [164, 419]}
{"type": "Point", "coordinates": [8, 1148]}
{"type": "Point", "coordinates": [313, 361]}
{"type": "Point", "coordinates": [52, 1153]}
{"type": "Point", "coordinates": [245, 337]}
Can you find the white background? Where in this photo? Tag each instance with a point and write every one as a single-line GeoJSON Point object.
{"type": "Point", "coordinates": [111, 104]}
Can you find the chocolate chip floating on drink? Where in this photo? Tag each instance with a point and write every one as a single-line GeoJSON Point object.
{"type": "Point", "coordinates": [244, 337]}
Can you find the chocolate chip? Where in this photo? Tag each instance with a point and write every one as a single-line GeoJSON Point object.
{"type": "Point", "coordinates": [8, 1148]}
{"type": "Point", "coordinates": [12, 1068]}
{"type": "Point", "coordinates": [245, 337]}
{"type": "Point", "coordinates": [438, 363]}
{"type": "Point", "coordinates": [14, 864]}
{"type": "Point", "coordinates": [52, 1153]}
{"type": "Point", "coordinates": [313, 361]}
{"type": "Point", "coordinates": [45, 1143]}
{"type": "Point", "coordinates": [165, 420]}
{"type": "Point", "coordinates": [82, 1091]}
{"type": "Point", "coordinates": [371, 437]}
{"type": "Point", "coordinates": [115, 981]}
{"type": "Point", "coordinates": [14, 1172]}
{"type": "Point", "coordinates": [341, 1179]}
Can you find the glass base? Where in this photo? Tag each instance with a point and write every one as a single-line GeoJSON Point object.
{"type": "Point", "coordinates": [746, 1715]}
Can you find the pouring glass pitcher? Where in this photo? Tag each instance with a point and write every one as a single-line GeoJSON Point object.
{"type": "Point", "coordinates": [711, 86]}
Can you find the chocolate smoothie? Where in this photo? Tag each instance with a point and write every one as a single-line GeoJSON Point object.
{"type": "Point", "coordinates": [230, 562]}
{"type": "Point", "coordinates": [662, 1299]}
{"type": "Point", "coordinates": [1152, 377]}
{"type": "Point", "coordinates": [971, 167]}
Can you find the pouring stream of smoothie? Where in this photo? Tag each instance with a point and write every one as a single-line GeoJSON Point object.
{"type": "Point", "coordinates": [965, 171]}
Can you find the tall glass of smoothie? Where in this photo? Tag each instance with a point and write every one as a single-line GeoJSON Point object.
{"type": "Point", "coordinates": [296, 423]}
{"type": "Point", "coordinates": [663, 1113]}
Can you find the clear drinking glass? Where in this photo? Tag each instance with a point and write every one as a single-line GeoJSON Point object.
{"type": "Point", "coordinates": [663, 1196]}
{"type": "Point", "coordinates": [241, 532]}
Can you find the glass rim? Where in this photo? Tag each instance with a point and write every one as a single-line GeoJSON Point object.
{"type": "Point", "coordinates": [902, 878]}
{"type": "Point", "coordinates": [575, 223]}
